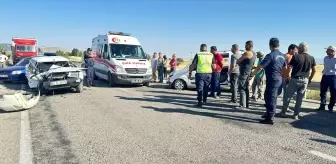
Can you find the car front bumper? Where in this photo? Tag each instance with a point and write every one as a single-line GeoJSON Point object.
{"type": "Point", "coordinates": [131, 79]}
{"type": "Point", "coordinates": [70, 83]}
{"type": "Point", "coordinates": [13, 78]}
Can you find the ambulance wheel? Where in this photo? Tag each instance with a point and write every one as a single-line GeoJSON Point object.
{"type": "Point", "coordinates": [95, 77]}
{"type": "Point", "coordinates": [111, 81]}
{"type": "Point", "coordinates": [146, 84]}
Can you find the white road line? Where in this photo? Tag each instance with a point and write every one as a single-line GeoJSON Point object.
{"type": "Point", "coordinates": [325, 156]}
{"type": "Point", "coordinates": [26, 155]}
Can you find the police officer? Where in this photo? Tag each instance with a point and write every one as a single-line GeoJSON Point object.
{"type": "Point", "coordinates": [203, 63]}
{"type": "Point", "coordinates": [273, 63]}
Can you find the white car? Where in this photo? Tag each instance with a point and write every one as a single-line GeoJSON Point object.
{"type": "Point", "coordinates": [179, 79]}
{"type": "Point", "coordinates": [53, 72]}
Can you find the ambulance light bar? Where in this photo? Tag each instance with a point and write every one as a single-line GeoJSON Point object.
{"type": "Point", "coordinates": [119, 33]}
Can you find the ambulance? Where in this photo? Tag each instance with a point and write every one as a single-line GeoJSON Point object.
{"type": "Point", "coordinates": [120, 59]}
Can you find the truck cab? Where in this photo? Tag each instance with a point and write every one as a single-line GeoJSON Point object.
{"type": "Point", "coordinates": [120, 59]}
{"type": "Point", "coordinates": [22, 48]}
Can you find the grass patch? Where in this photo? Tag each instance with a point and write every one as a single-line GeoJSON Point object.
{"type": "Point", "coordinates": [315, 95]}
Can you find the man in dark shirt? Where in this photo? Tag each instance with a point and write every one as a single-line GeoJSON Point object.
{"type": "Point", "coordinates": [203, 62]}
{"type": "Point", "coordinates": [301, 65]}
{"type": "Point", "coordinates": [273, 63]}
{"type": "Point", "coordinates": [245, 62]}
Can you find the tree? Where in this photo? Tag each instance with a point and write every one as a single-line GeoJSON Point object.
{"type": "Point", "coordinates": [3, 48]}
{"type": "Point", "coordinates": [75, 52]}
{"type": "Point", "coordinates": [60, 53]}
{"type": "Point", "coordinates": [179, 61]}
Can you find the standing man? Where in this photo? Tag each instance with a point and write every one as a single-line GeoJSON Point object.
{"type": "Point", "coordinates": [245, 62]}
{"type": "Point", "coordinates": [273, 63]}
{"type": "Point", "coordinates": [328, 80]}
{"type": "Point", "coordinates": [154, 66]}
{"type": "Point", "coordinates": [301, 64]}
{"type": "Point", "coordinates": [203, 62]}
{"type": "Point", "coordinates": [3, 60]}
{"type": "Point", "coordinates": [173, 63]}
{"type": "Point", "coordinates": [215, 84]}
{"type": "Point", "coordinates": [258, 81]}
{"type": "Point", "coordinates": [160, 67]}
{"type": "Point", "coordinates": [234, 72]}
{"type": "Point", "coordinates": [292, 50]}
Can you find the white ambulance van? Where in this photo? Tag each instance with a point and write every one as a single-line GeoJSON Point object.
{"type": "Point", "coordinates": [120, 59]}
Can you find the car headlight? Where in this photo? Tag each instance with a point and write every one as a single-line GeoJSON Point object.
{"type": "Point", "coordinates": [149, 70]}
{"type": "Point", "coordinates": [16, 72]}
{"type": "Point", "coordinates": [118, 69]}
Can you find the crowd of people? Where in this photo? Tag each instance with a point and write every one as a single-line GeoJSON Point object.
{"type": "Point", "coordinates": [278, 73]}
{"type": "Point", "coordinates": [160, 66]}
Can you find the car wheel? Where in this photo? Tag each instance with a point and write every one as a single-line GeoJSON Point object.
{"type": "Point", "coordinates": [146, 84]}
{"type": "Point", "coordinates": [79, 88]}
{"type": "Point", "coordinates": [111, 81]}
{"type": "Point", "coordinates": [95, 77]}
{"type": "Point", "coordinates": [179, 84]}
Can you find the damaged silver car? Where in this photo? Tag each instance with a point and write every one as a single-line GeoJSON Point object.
{"type": "Point", "coordinates": [48, 73]}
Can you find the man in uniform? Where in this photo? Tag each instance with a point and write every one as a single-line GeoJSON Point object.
{"type": "Point", "coordinates": [258, 81]}
{"type": "Point", "coordinates": [203, 62]}
{"type": "Point", "coordinates": [245, 62]}
{"type": "Point", "coordinates": [273, 63]}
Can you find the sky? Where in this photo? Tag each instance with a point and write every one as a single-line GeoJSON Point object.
{"type": "Point", "coordinates": [173, 26]}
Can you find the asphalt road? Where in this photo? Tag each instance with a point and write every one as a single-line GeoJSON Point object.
{"type": "Point", "coordinates": [157, 125]}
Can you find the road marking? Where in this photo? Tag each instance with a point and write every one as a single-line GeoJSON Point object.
{"type": "Point", "coordinates": [26, 155]}
{"type": "Point", "coordinates": [325, 156]}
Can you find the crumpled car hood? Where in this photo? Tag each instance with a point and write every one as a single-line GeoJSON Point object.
{"type": "Point", "coordinates": [55, 69]}
{"type": "Point", "coordinates": [18, 101]}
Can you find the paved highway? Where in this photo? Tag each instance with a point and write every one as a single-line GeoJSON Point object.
{"type": "Point", "coordinates": [157, 125]}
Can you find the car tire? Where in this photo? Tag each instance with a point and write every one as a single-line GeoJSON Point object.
{"type": "Point", "coordinates": [146, 84]}
{"type": "Point", "coordinates": [179, 84]}
{"type": "Point", "coordinates": [95, 77]}
{"type": "Point", "coordinates": [79, 88]}
{"type": "Point", "coordinates": [111, 82]}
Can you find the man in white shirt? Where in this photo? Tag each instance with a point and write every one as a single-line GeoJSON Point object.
{"type": "Point", "coordinates": [328, 80]}
{"type": "Point", "coordinates": [3, 60]}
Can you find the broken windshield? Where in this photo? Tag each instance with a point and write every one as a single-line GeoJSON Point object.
{"type": "Point", "coordinates": [46, 66]}
{"type": "Point", "coordinates": [126, 51]}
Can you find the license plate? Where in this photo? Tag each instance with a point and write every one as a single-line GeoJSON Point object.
{"type": "Point", "coordinates": [3, 75]}
{"type": "Point", "coordinates": [61, 82]}
{"type": "Point", "coordinates": [136, 81]}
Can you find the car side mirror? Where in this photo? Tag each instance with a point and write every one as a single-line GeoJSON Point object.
{"type": "Point", "coordinates": [105, 56]}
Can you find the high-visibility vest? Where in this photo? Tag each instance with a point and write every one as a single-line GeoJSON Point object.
{"type": "Point", "coordinates": [204, 62]}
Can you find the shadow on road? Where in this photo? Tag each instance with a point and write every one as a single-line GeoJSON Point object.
{"type": "Point", "coordinates": [320, 122]}
{"type": "Point", "coordinates": [190, 102]}
{"type": "Point", "coordinates": [207, 114]}
{"type": "Point", "coordinates": [15, 111]}
{"type": "Point", "coordinates": [324, 141]}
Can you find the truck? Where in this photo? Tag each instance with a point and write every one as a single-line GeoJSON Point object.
{"type": "Point", "coordinates": [22, 48]}
{"type": "Point", "coordinates": [120, 59]}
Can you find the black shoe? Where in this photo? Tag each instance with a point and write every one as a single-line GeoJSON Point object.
{"type": "Point", "coordinates": [321, 109]}
{"type": "Point", "coordinates": [199, 105]}
{"type": "Point", "coordinates": [331, 111]}
{"type": "Point", "coordinates": [267, 121]}
{"type": "Point", "coordinates": [263, 116]}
